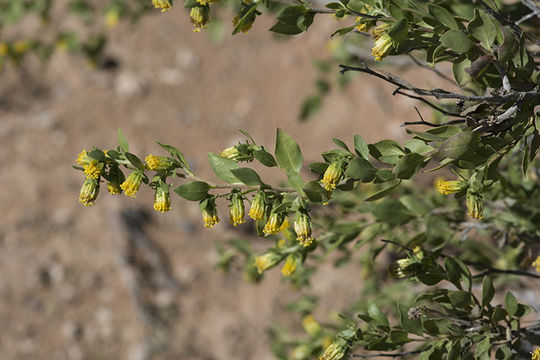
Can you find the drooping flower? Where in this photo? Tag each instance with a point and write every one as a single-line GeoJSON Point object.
{"type": "Point", "coordinates": [336, 350]}
{"type": "Point", "coordinates": [162, 199]}
{"type": "Point", "coordinates": [236, 209]}
{"type": "Point", "coordinates": [475, 204]}
{"type": "Point", "coordinates": [302, 227]}
{"type": "Point", "coordinates": [164, 5]}
{"type": "Point", "coordinates": [231, 153]}
{"type": "Point", "coordinates": [158, 162]}
{"type": "Point", "coordinates": [115, 178]}
{"type": "Point", "coordinates": [267, 261]}
{"type": "Point", "coordinates": [536, 263]}
{"type": "Point", "coordinates": [256, 212]}
{"type": "Point", "coordinates": [132, 184]}
{"type": "Point", "coordinates": [200, 15]}
{"type": "Point", "coordinates": [401, 268]}
{"type": "Point", "coordinates": [332, 175]}
{"type": "Point", "coordinates": [291, 263]}
{"type": "Point", "coordinates": [535, 355]}
{"type": "Point", "coordinates": [382, 46]}
{"type": "Point", "coordinates": [93, 169]}
{"type": "Point", "coordinates": [379, 30]}
{"type": "Point", "coordinates": [209, 214]}
{"type": "Point", "coordinates": [273, 224]}
{"type": "Point", "coordinates": [449, 187]}
{"type": "Point", "coordinates": [89, 191]}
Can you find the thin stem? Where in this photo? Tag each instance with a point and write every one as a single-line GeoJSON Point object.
{"type": "Point", "coordinates": [392, 355]}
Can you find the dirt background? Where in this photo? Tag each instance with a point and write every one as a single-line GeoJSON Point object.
{"type": "Point", "coordinates": [82, 283]}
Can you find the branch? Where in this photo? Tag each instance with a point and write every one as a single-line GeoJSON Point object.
{"type": "Point", "coordinates": [432, 69]}
{"type": "Point", "coordinates": [392, 355]}
{"type": "Point", "coordinates": [534, 8]}
{"type": "Point", "coordinates": [440, 93]}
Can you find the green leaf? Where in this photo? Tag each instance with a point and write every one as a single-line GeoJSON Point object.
{"type": "Point", "coordinates": [315, 192]}
{"type": "Point", "coordinates": [318, 167]}
{"type": "Point", "coordinates": [392, 211]}
{"type": "Point", "coordinates": [175, 153]}
{"type": "Point", "coordinates": [413, 326]}
{"type": "Point", "coordinates": [458, 68]}
{"type": "Point", "coordinates": [483, 28]}
{"type": "Point", "coordinates": [289, 14]}
{"type": "Point", "coordinates": [382, 193]}
{"type": "Point", "coordinates": [193, 191]}
{"type": "Point", "coordinates": [296, 181]}
{"type": "Point", "coordinates": [387, 151]}
{"type": "Point", "coordinates": [483, 347]}
{"type": "Point", "coordinates": [341, 144]}
{"type": "Point", "coordinates": [122, 142]}
{"type": "Point", "coordinates": [135, 161]}
{"type": "Point", "coordinates": [460, 144]}
{"type": "Point", "coordinates": [456, 40]}
{"type": "Point", "coordinates": [247, 176]}
{"type": "Point", "coordinates": [509, 47]}
{"type": "Point", "coordinates": [453, 271]}
{"type": "Point", "coordinates": [378, 317]}
{"type": "Point", "coordinates": [288, 154]}
{"type": "Point", "coordinates": [286, 29]}
{"type": "Point", "coordinates": [408, 165]}
{"type": "Point", "coordinates": [488, 291]}
{"type": "Point", "coordinates": [310, 106]}
{"type": "Point", "coordinates": [265, 158]}
{"type": "Point", "coordinates": [443, 16]}
{"type": "Point", "coordinates": [511, 303]}
{"type": "Point", "coordinates": [360, 169]}
{"type": "Point", "coordinates": [247, 17]}
{"type": "Point", "coordinates": [97, 155]}
{"type": "Point", "coordinates": [398, 32]}
{"type": "Point", "coordinates": [361, 147]}
{"type": "Point", "coordinates": [418, 146]}
{"type": "Point", "coordinates": [222, 167]}
{"type": "Point", "coordinates": [460, 299]}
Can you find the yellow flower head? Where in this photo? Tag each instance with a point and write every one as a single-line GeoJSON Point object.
{"type": "Point", "coordinates": [311, 326]}
{"type": "Point", "coordinates": [209, 214]}
{"type": "Point", "coordinates": [256, 212]}
{"type": "Point", "coordinates": [236, 209]}
{"type": "Point", "coordinates": [111, 18]}
{"type": "Point", "coordinates": [336, 350]}
{"type": "Point", "coordinates": [200, 15]}
{"type": "Point", "coordinates": [231, 153]}
{"type": "Point", "coordinates": [292, 262]}
{"type": "Point", "coordinates": [3, 49]}
{"type": "Point", "coordinates": [207, 2]}
{"type": "Point", "coordinates": [267, 261]}
{"type": "Point", "coordinates": [82, 158]}
{"type": "Point", "coordinates": [535, 355]}
{"type": "Point", "coordinates": [400, 269]}
{"type": "Point", "coordinates": [536, 263]}
{"type": "Point", "coordinates": [475, 205]}
{"type": "Point", "coordinates": [449, 187]}
{"type": "Point", "coordinates": [132, 184]}
{"type": "Point", "coordinates": [21, 46]}
{"type": "Point", "coordinates": [89, 191]}
{"type": "Point", "coordinates": [164, 5]}
{"type": "Point", "coordinates": [273, 224]}
{"type": "Point", "coordinates": [302, 227]}
{"type": "Point", "coordinates": [379, 30]}
{"type": "Point", "coordinates": [93, 169]}
{"type": "Point", "coordinates": [158, 162]}
{"type": "Point", "coordinates": [332, 175]}
{"type": "Point", "coordinates": [382, 46]}
{"type": "Point", "coordinates": [162, 199]}
{"type": "Point", "coordinates": [113, 180]}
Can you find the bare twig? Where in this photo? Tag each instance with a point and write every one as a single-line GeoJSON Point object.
{"type": "Point", "coordinates": [432, 69]}
{"type": "Point", "coordinates": [534, 8]}
{"type": "Point", "coordinates": [427, 123]}
{"type": "Point", "coordinates": [392, 355]}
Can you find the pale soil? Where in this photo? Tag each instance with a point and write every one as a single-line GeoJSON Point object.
{"type": "Point", "coordinates": [70, 275]}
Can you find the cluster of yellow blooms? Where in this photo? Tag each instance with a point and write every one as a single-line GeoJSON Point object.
{"type": "Point", "coordinates": [332, 175]}
{"type": "Point", "coordinates": [383, 41]}
{"type": "Point", "coordinates": [474, 200]}
{"type": "Point", "coordinates": [535, 355]}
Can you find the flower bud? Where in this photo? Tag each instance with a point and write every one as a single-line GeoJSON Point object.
{"type": "Point", "coordinates": [336, 351]}
{"type": "Point", "coordinates": [332, 175]}
{"type": "Point", "coordinates": [401, 268]}
{"type": "Point", "coordinates": [256, 212]}
{"type": "Point", "coordinates": [302, 227]}
{"type": "Point", "coordinates": [292, 262]}
{"type": "Point", "coordinates": [132, 184]}
{"type": "Point", "coordinates": [231, 153]}
{"type": "Point", "coordinates": [236, 209]}
{"type": "Point", "coordinates": [162, 199]}
{"type": "Point", "coordinates": [200, 15]}
{"type": "Point", "coordinates": [89, 191]}
{"type": "Point", "coordinates": [114, 179]}
{"type": "Point", "coordinates": [273, 225]}
{"type": "Point", "coordinates": [449, 187]}
{"type": "Point", "coordinates": [301, 352]}
{"type": "Point", "coordinates": [267, 261]}
{"type": "Point", "coordinates": [209, 214]}
{"type": "Point", "coordinates": [475, 205]}
{"type": "Point", "coordinates": [536, 263]}
{"type": "Point", "coordinates": [382, 46]}
{"type": "Point", "coordinates": [154, 162]}
{"type": "Point", "coordinates": [311, 326]}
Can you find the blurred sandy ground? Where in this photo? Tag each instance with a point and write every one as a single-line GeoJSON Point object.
{"type": "Point", "coordinates": [75, 282]}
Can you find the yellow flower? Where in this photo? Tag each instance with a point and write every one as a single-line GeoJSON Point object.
{"type": "Point", "coordinates": [200, 16]}
{"type": "Point", "coordinates": [449, 187]}
{"type": "Point", "coordinates": [3, 49]}
{"type": "Point", "coordinates": [236, 209]}
{"type": "Point", "coordinates": [231, 153]}
{"type": "Point", "coordinates": [207, 2]}
{"type": "Point", "coordinates": [475, 205]}
{"type": "Point", "coordinates": [256, 212]}
{"type": "Point", "coordinates": [379, 31]}
{"type": "Point", "coordinates": [535, 355]}
{"type": "Point", "coordinates": [273, 224]}
{"type": "Point", "coordinates": [111, 18]}
{"type": "Point", "coordinates": [89, 191]}
{"type": "Point", "coordinates": [164, 5]}
{"type": "Point", "coordinates": [382, 46]}
{"type": "Point", "coordinates": [536, 263]}
{"type": "Point", "coordinates": [132, 184]}
{"type": "Point", "coordinates": [162, 199]}
{"type": "Point", "coordinates": [289, 268]}
{"type": "Point", "coordinates": [336, 350]}
{"type": "Point", "coordinates": [302, 227]}
{"type": "Point", "coordinates": [114, 178]}
{"type": "Point", "coordinates": [400, 269]}
{"type": "Point", "coordinates": [93, 169]}
{"type": "Point", "coordinates": [332, 175]}
{"type": "Point", "coordinates": [301, 352]}
{"type": "Point", "coordinates": [82, 159]}
{"type": "Point", "coordinates": [311, 326]}
{"type": "Point", "coordinates": [158, 162]}
{"type": "Point", "coordinates": [113, 188]}
{"type": "Point", "coordinates": [209, 214]}
{"type": "Point", "coordinates": [21, 46]}
{"type": "Point", "coordinates": [267, 261]}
